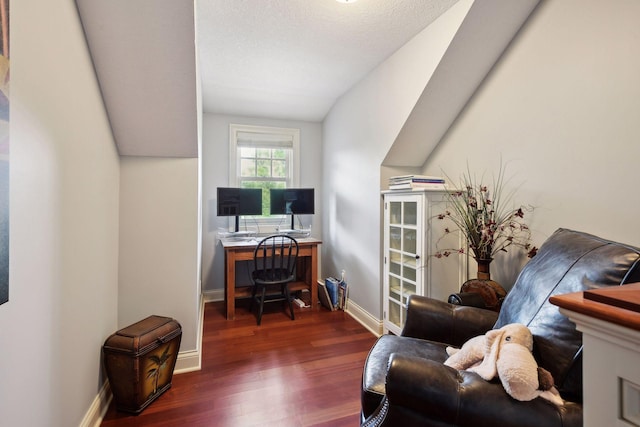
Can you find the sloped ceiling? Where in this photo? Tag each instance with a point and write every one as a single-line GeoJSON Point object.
{"type": "Point", "coordinates": [277, 59]}
{"type": "Point", "coordinates": [267, 58]}
{"type": "Point", "coordinates": [487, 30]}
{"type": "Point", "coordinates": [145, 60]}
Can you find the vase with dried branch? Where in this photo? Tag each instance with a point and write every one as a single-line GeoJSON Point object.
{"type": "Point", "coordinates": [490, 223]}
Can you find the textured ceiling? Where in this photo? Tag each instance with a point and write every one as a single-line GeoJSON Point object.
{"type": "Point", "coordinates": [293, 58]}
{"type": "Point", "coordinates": [274, 58]}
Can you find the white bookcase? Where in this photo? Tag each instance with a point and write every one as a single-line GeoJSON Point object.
{"type": "Point", "coordinates": [412, 236]}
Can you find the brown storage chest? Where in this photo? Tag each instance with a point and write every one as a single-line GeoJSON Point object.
{"type": "Point", "coordinates": [139, 361]}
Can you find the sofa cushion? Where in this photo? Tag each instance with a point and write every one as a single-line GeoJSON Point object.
{"type": "Point", "coordinates": [568, 261]}
{"type": "Point", "coordinates": [375, 372]}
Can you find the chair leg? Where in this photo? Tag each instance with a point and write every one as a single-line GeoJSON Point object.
{"type": "Point", "coordinates": [264, 292]}
{"type": "Point", "coordinates": [286, 293]}
{"type": "Point", "coordinates": [253, 297]}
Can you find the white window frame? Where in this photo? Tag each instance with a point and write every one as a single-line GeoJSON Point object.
{"type": "Point", "coordinates": [264, 135]}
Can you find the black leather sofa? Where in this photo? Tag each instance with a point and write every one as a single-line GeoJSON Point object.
{"type": "Point", "coordinates": [405, 383]}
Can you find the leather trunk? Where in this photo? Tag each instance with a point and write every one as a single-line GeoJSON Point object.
{"type": "Point", "coordinates": [140, 359]}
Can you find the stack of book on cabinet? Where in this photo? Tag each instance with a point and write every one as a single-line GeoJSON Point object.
{"type": "Point", "coordinates": [409, 182]}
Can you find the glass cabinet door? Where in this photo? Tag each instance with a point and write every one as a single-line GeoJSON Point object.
{"type": "Point", "coordinates": [402, 257]}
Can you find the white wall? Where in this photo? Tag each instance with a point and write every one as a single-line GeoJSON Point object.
{"type": "Point", "coordinates": [64, 223]}
{"type": "Point", "coordinates": [358, 132]}
{"type": "Point", "coordinates": [215, 169]}
{"type": "Point", "coordinates": [158, 270]}
{"type": "Point", "coordinates": [562, 108]}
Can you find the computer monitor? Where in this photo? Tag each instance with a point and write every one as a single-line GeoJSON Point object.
{"type": "Point", "coordinates": [233, 201]}
{"type": "Point", "coordinates": [292, 201]}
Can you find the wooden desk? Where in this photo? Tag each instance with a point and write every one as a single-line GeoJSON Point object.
{"type": "Point", "coordinates": [306, 270]}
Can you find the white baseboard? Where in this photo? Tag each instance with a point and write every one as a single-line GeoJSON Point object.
{"type": "Point", "coordinates": [191, 360]}
{"type": "Point", "coordinates": [187, 361]}
{"type": "Point", "coordinates": [213, 295]}
{"type": "Point", "coordinates": [366, 319]}
{"type": "Point", "coordinates": [97, 410]}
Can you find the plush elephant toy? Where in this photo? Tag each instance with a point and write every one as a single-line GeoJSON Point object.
{"type": "Point", "coordinates": [506, 352]}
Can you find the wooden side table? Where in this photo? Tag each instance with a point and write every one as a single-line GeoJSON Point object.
{"type": "Point", "coordinates": [609, 320]}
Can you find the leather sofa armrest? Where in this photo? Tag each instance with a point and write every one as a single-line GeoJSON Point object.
{"type": "Point", "coordinates": [424, 386]}
{"type": "Point", "coordinates": [425, 392]}
{"type": "Point", "coordinates": [439, 321]}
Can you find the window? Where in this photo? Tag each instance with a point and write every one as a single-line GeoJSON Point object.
{"type": "Point", "coordinates": [264, 157]}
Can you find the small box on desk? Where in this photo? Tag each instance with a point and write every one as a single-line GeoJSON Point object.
{"type": "Point", "coordinates": [139, 361]}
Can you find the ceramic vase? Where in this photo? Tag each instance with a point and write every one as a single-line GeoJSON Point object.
{"type": "Point", "coordinates": [492, 293]}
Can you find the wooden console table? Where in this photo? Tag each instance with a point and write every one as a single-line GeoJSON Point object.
{"type": "Point", "coordinates": [609, 320]}
{"type": "Point", "coordinates": [306, 270]}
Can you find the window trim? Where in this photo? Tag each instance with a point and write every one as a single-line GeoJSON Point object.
{"type": "Point", "coordinates": [236, 129]}
{"type": "Point", "coordinates": [269, 133]}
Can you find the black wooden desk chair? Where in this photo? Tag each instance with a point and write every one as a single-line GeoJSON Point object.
{"type": "Point", "coordinates": [274, 262]}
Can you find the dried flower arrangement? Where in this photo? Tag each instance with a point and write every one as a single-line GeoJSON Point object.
{"type": "Point", "coordinates": [481, 214]}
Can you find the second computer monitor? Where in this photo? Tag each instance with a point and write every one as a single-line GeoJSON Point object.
{"type": "Point", "coordinates": [292, 201]}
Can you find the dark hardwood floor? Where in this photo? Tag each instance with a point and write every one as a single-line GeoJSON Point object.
{"type": "Point", "coordinates": [283, 373]}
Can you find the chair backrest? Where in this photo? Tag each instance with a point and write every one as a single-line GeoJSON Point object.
{"type": "Point", "coordinates": [568, 261]}
{"type": "Point", "coordinates": [274, 259]}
